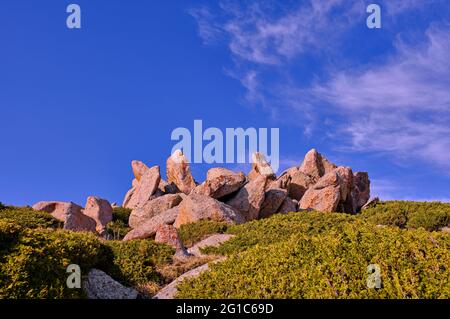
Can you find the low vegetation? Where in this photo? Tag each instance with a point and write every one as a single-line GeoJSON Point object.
{"type": "Point", "coordinates": [403, 214]}
{"type": "Point", "coordinates": [317, 255]}
{"type": "Point", "coordinates": [193, 233]}
{"type": "Point", "coordinates": [118, 227]}
{"type": "Point", "coordinates": [296, 255]}
{"type": "Point", "coordinates": [34, 256]}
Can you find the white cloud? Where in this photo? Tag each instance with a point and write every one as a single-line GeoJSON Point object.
{"type": "Point", "coordinates": [403, 106]}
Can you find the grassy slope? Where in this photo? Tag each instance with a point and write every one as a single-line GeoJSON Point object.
{"type": "Point", "coordinates": [299, 255]}
{"type": "Point", "coordinates": [316, 255]}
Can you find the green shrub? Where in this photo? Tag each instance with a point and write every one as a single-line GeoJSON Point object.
{"type": "Point", "coordinates": [278, 228]}
{"type": "Point", "coordinates": [134, 262]}
{"type": "Point", "coordinates": [195, 232]}
{"type": "Point", "coordinates": [33, 261]}
{"type": "Point", "coordinates": [329, 263]}
{"type": "Point", "coordinates": [118, 227]}
{"type": "Point", "coordinates": [2, 206]}
{"type": "Point", "coordinates": [27, 217]}
{"type": "Point", "coordinates": [430, 216]}
{"type": "Point", "coordinates": [35, 266]}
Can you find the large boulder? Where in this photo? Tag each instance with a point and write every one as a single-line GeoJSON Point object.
{"type": "Point", "coordinates": [325, 195]}
{"type": "Point", "coordinates": [139, 169]}
{"type": "Point", "coordinates": [58, 210]}
{"type": "Point", "coordinates": [197, 207]}
{"type": "Point", "coordinates": [77, 221]}
{"type": "Point", "coordinates": [99, 285]}
{"type": "Point", "coordinates": [315, 165]}
{"type": "Point", "coordinates": [299, 183]}
{"type": "Point", "coordinates": [273, 199]}
{"type": "Point", "coordinates": [168, 234]}
{"type": "Point", "coordinates": [260, 166]}
{"type": "Point", "coordinates": [289, 205]}
{"type": "Point", "coordinates": [248, 201]}
{"type": "Point", "coordinates": [361, 190]}
{"type": "Point", "coordinates": [69, 213]}
{"type": "Point", "coordinates": [152, 208]}
{"type": "Point", "coordinates": [220, 182]}
{"type": "Point", "coordinates": [99, 210]}
{"type": "Point", "coordinates": [145, 188]}
{"type": "Point", "coordinates": [284, 182]}
{"type": "Point", "coordinates": [179, 173]}
{"type": "Point", "coordinates": [148, 228]}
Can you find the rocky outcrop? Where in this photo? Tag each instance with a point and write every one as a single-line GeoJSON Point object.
{"type": "Point", "coordinates": [197, 207]}
{"type": "Point", "coordinates": [248, 201]}
{"type": "Point", "coordinates": [361, 190]}
{"type": "Point", "coordinates": [260, 166]}
{"type": "Point", "coordinates": [220, 182]}
{"type": "Point", "coordinates": [315, 165]}
{"type": "Point", "coordinates": [99, 285]}
{"type": "Point", "coordinates": [179, 173]}
{"type": "Point", "coordinates": [145, 184]}
{"type": "Point", "coordinates": [289, 205]}
{"type": "Point", "coordinates": [152, 208]}
{"type": "Point", "coordinates": [299, 183]}
{"type": "Point", "coordinates": [324, 196]}
{"type": "Point", "coordinates": [148, 228]}
{"type": "Point", "coordinates": [168, 234]}
{"type": "Point", "coordinates": [100, 210]}
{"type": "Point", "coordinates": [69, 213]}
{"type": "Point", "coordinates": [273, 199]}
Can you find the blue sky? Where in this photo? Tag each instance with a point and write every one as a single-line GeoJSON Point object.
{"type": "Point", "coordinates": [76, 106]}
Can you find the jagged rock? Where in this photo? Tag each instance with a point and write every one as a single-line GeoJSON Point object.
{"type": "Point", "coordinates": [315, 165]}
{"type": "Point", "coordinates": [179, 173]}
{"type": "Point", "coordinates": [325, 195]}
{"type": "Point", "coordinates": [139, 169]}
{"type": "Point", "coordinates": [289, 205]}
{"type": "Point", "coordinates": [59, 210]}
{"type": "Point", "coordinates": [148, 228]}
{"type": "Point", "coordinates": [166, 188]}
{"type": "Point", "coordinates": [361, 190]}
{"type": "Point", "coordinates": [114, 205]}
{"type": "Point", "coordinates": [152, 208]}
{"type": "Point", "coordinates": [211, 241]}
{"type": "Point", "coordinates": [129, 194]}
{"type": "Point", "coordinates": [220, 182]}
{"type": "Point", "coordinates": [260, 166]}
{"type": "Point", "coordinates": [168, 234]}
{"type": "Point", "coordinates": [197, 207]}
{"type": "Point", "coordinates": [284, 182]}
{"type": "Point", "coordinates": [445, 229]}
{"type": "Point", "coordinates": [99, 285]}
{"type": "Point", "coordinates": [346, 181]}
{"type": "Point", "coordinates": [69, 213]}
{"type": "Point", "coordinates": [100, 211]}
{"type": "Point", "coordinates": [77, 221]}
{"type": "Point", "coordinates": [145, 188]}
{"type": "Point", "coordinates": [249, 199]}
{"type": "Point", "coordinates": [273, 200]}
{"type": "Point", "coordinates": [299, 183]}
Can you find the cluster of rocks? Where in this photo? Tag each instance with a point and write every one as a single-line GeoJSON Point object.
{"type": "Point", "coordinates": [159, 207]}
{"type": "Point", "coordinates": [233, 197]}
{"type": "Point", "coordinates": [92, 218]}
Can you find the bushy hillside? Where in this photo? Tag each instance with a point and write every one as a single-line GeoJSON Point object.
{"type": "Point", "coordinates": [296, 255]}
{"type": "Point", "coordinates": [317, 255]}
{"type": "Point", "coordinates": [34, 255]}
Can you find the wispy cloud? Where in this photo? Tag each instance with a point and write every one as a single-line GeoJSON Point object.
{"type": "Point", "coordinates": [400, 106]}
